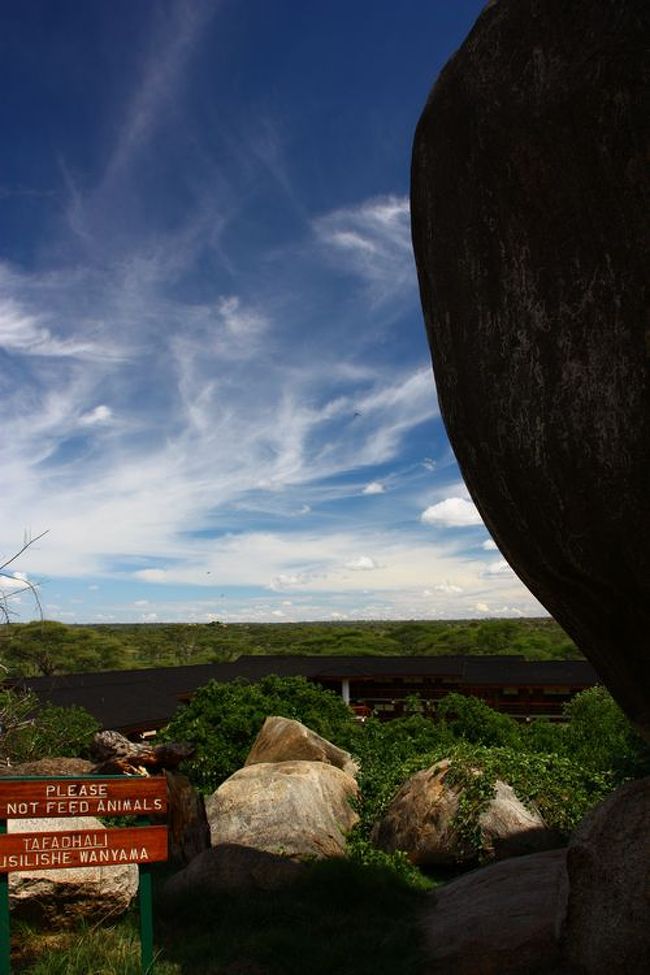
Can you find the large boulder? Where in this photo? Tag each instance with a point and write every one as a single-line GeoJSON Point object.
{"type": "Point", "coordinates": [529, 201]}
{"type": "Point", "coordinates": [607, 928]}
{"type": "Point", "coordinates": [286, 740]}
{"type": "Point", "coordinates": [503, 919]}
{"type": "Point", "coordinates": [232, 867]}
{"type": "Point", "coordinates": [64, 897]}
{"type": "Point", "coordinates": [296, 809]}
{"type": "Point", "coordinates": [420, 820]}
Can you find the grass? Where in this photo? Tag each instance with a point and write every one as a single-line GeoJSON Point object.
{"type": "Point", "coordinates": [342, 917]}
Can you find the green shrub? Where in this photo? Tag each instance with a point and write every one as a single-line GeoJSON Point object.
{"type": "Point", "coordinates": [222, 721]}
{"type": "Point", "coordinates": [542, 735]}
{"type": "Point", "coordinates": [475, 721]}
{"type": "Point", "coordinates": [600, 736]}
{"type": "Point", "coordinates": [561, 789]}
{"type": "Point", "coordinates": [31, 730]}
{"type": "Point", "coordinates": [360, 850]}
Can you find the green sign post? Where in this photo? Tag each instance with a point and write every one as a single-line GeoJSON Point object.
{"type": "Point", "coordinates": [64, 796]}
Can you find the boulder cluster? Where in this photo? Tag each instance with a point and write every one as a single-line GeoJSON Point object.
{"type": "Point", "coordinates": [535, 907]}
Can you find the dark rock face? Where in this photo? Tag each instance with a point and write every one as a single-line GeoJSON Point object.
{"type": "Point", "coordinates": [607, 926]}
{"type": "Point", "coordinates": [501, 919]}
{"type": "Point", "coordinates": [530, 193]}
{"type": "Point", "coordinates": [233, 867]}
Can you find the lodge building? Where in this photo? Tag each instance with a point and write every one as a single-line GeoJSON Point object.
{"type": "Point", "coordinates": [139, 702]}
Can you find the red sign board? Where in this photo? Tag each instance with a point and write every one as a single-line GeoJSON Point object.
{"type": "Point", "coordinates": [55, 798]}
{"type": "Point", "coordinates": [82, 848]}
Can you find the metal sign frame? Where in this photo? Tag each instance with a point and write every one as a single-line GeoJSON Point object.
{"type": "Point", "coordinates": [64, 796]}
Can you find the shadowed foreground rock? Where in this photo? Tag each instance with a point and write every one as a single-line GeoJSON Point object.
{"type": "Point", "coordinates": [607, 928]}
{"type": "Point", "coordinates": [189, 833]}
{"type": "Point", "coordinates": [232, 867]}
{"type": "Point", "coordinates": [530, 192]}
{"type": "Point", "coordinates": [500, 920]}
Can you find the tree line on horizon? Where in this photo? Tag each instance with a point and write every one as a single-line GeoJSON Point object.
{"type": "Point", "coordinates": [48, 647]}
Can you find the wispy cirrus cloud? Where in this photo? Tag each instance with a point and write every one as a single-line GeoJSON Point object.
{"type": "Point", "coordinates": [28, 334]}
{"type": "Point", "coordinates": [373, 241]}
{"type": "Point", "coordinates": [155, 96]}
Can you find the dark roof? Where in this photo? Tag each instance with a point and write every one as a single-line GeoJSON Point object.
{"type": "Point", "coordinates": [147, 698]}
{"type": "Point", "coordinates": [517, 670]}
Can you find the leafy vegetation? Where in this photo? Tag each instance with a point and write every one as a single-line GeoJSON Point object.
{"type": "Point", "coordinates": [563, 771]}
{"type": "Point", "coordinates": [48, 647]}
{"type": "Point", "coordinates": [222, 721]}
{"type": "Point", "coordinates": [361, 910]}
{"type": "Point", "coordinates": [31, 730]}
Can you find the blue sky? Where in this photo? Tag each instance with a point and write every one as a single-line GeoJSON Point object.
{"type": "Point", "coordinates": [215, 385]}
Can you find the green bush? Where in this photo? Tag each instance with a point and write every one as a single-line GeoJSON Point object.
{"type": "Point", "coordinates": [46, 647]}
{"type": "Point", "coordinates": [475, 721]}
{"type": "Point", "coordinates": [222, 721]}
{"type": "Point", "coordinates": [600, 737]}
{"type": "Point", "coordinates": [541, 735]}
{"type": "Point", "coordinates": [560, 788]}
{"type": "Point", "coordinates": [31, 731]}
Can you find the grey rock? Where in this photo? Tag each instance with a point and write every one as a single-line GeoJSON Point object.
{"type": "Point", "coordinates": [607, 928]}
{"type": "Point", "coordinates": [420, 821]}
{"type": "Point", "coordinates": [286, 740]}
{"type": "Point", "coordinates": [62, 898]}
{"type": "Point", "coordinates": [50, 766]}
{"type": "Point", "coordinates": [295, 809]}
{"type": "Point", "coordinates": [189, 833]}
{"type": "Point", "coordinates": [503, 919]}
{"type": "Point", "coordinates": [233, 867]}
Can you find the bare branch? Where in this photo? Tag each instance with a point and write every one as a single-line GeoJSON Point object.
{"type": "Point", "coordinates": [24, 585]}
{"type": "Point", "coordinates": [23, 549]}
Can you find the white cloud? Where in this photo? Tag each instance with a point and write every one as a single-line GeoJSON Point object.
{"type": "Point", "coordinates": [240, 321]}
{"type": "Point", "coordinates": [152, 575]}
{"type": "Point", "coordinates": [489, 545]}
{"type": "Point", "coordinates": [373, 240]}
{"type": "Point", "coordinates": [28, 335]}
{"type": "Point", "coordinates": [100, 414]}
{"type": "Point", "coordinates": [448, 587]}
{"type": "Point", "coordinates": [288, 580]}
{"type": "Point", "coordinates": [374, 487]}
{"type": "Point", "coordinates": [451, 513]}
{"type": "Point", "coordinates": [363, 563]}
{"type": "Point", "coordinates": [499, 568]}
{"type": "Point", "coordinates": [155, 96]}
{"type": "Point", "coordinates": [500, 611]}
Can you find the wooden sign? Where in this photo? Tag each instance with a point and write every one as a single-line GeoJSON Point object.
{"type": "Point", "coordinates": [124, 796]}
{"type": "Point", "coordinates": [38, 798]}
{"type": "Point", "coordinates": [82, 848]}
